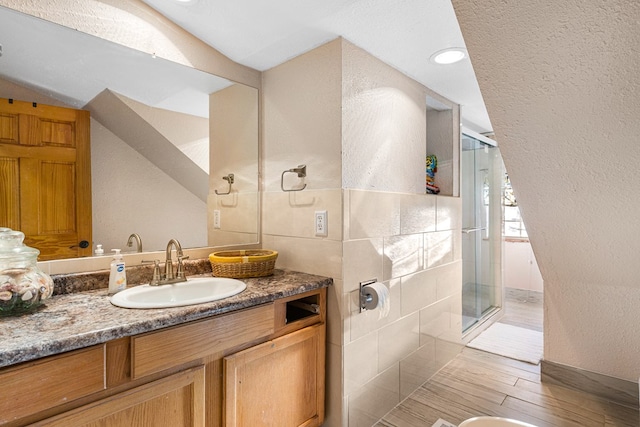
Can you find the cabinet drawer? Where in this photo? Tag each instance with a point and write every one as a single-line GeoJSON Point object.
{"type": "Point", "coordinates": [160, 350]}
{"type": "Point", "coordinates": [35, 386]}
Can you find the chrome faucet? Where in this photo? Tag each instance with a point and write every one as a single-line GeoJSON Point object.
{"type": "Point", "coordinates": [138, 240]}
{"type": "Point", "coordinates": [168, 277]}
{"type": "Point", "coordinates": [168, 264]}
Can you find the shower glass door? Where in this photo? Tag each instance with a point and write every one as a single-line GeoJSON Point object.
{"type": "Point", "coordinates": [481, 180]}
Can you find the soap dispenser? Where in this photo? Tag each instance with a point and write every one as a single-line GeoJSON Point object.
{"type": "Point", "coordinates": [117, 275]}
{"type": "Point", "coordinates": [99, 250]}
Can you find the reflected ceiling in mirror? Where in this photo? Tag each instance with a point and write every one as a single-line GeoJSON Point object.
{"type": "Point", "coordinates": [157, 129]}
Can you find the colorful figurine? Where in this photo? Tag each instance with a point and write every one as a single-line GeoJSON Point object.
{"type": "Point", "coordinates": [432, 168]}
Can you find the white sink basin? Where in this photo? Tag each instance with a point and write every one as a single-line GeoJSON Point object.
{"type": "Point", "coordinates": [195, 290]}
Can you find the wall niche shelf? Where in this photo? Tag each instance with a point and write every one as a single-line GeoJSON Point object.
{"type": "Point", "coordinates": [443, 140]}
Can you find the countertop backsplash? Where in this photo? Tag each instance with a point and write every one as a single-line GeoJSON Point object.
{"type": "Point", "coordinates": [136, 275]}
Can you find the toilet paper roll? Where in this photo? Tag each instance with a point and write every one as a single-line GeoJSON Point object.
{"type": "Point", "coordinates": [377, 297]}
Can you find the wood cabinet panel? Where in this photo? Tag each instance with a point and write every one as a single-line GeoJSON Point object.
{"type": "Point", "coordinates": [118, 353]}
{"type": "Point", "coordinates": [279, 383]}
{"type": "Point", "coordinates": [33, 387]}
{"type": "Point", "coordinates": [179, 376]}
{"type": "Point", "coordinates": [176, 401]}
{"type": "Point", "coordinates": [157, 351]}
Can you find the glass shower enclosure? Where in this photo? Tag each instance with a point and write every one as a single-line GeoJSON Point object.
{"type": "Point", "coordinates": [481, 192]}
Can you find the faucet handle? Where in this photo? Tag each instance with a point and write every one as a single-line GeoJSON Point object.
{"type": "Point", "coordinates": [156, 271]}
{"type": "Point", "coordinates": [180, 271]}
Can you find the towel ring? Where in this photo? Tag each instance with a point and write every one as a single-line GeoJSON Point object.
{"type": "Point", "coordinates": [301, 170]}
{"type": "Point", "coordinates": [230, 179]}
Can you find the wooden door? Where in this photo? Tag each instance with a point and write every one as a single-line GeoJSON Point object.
{"type": "Point", "coordinates": [279, 383]}
{"type": "Point", "coordinates": [45, 177]}
{"type": "Point", "coordinates": [176, 401]}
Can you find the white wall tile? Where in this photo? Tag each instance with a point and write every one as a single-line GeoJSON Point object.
{"type": "Point", "coordinates": [333, 387]}
{"type": "Point", "coordinates": [417, 368]}
{"type": "Point", "coordinates": [335, 322]}
{"type": "Point", "coordinates": [403, 255]}
{"type": "Point", "coordinates": [448, 279]}
{"type": "Point", "coordinates": [315, 256]}
{"type": "Point", "coordinates": [435, 320]}
{"type": "Point", "coordinates": [448, 213]}
{"type": "Point", "coordinates": [439, 248]}
{"type": "Point", "coordinates": [373, 214]}
{"type": "Point", "coordinates": [372, 401]}
{"type": "Point", "coordinates": [360, 362]}
{"type": "Point", "coordinates": [418, 291]}
{"type": "Point", "coordinates": [417, 213]}
{"type": "Point", "coordinates": [362, 260]}
{"type": "Point", "coordinates": [292, 213]}
{"type": "Point", "coordinates": [397, 340]}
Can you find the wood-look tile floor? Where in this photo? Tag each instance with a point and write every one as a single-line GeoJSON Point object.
{"type": "Point", "coordinates": [479, 383]}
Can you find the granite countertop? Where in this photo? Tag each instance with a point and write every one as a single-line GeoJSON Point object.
{"type": "Point", "coordinates": [76, 320]}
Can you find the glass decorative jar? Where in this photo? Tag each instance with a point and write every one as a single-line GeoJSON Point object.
{"type": "Point", "coordinates": [23, 286]}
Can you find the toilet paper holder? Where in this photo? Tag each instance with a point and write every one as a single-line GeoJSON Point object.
{"type": "Point", "coordinates": [367, 302]}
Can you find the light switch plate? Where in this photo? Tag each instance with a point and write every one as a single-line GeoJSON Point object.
{"type": "Point", "coordinates": [322, 228]}
{"type": "Point", "coordinates": [216, 219]}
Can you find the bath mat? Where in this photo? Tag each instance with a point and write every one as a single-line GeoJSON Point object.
{"type": "Point", "coordinates": [510, 341]}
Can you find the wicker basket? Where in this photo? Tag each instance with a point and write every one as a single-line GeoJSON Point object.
{"type": "Point", "coordinates": [244, 263]}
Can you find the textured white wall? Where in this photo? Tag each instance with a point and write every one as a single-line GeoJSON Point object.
{"type": "Point", "coordinates": [384, 126]}
{"type": "Point", "coordinates": [301, 119]}
{"type": "Point", "coordinates": [160, 212]}
{"type": "Point", "coordinates": [561, 86]}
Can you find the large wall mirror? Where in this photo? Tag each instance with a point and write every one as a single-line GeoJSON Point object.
{"type": "Point", "coordinates": [172, 147]}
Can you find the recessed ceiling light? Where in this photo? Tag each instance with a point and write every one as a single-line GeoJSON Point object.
{"type": "Point", "coordinates": [450, 55]}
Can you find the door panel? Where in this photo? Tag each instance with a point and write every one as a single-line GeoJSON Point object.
{"type": "Point", "coordinates": [48, 149]}
{"type": "Point", "coordinates": [9, 192]}
{"type": "Point", "coordinates": [481, 228]}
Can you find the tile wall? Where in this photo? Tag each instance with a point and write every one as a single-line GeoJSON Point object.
{"type": "Point", "coordinates": [412, 244]}
{"type": "Point", "coordinates": [409, 242]}
{"type": "Point", "coordinates": [360, 126]}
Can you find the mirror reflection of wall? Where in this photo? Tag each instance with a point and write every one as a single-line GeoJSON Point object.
{"type": "Point", "coordinates": [150, 143]}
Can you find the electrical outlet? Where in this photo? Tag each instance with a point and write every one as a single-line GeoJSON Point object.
{"type": "Point", "coordinates": [216, 219]}
{"type": "Point", "coordinates": [322, 229]}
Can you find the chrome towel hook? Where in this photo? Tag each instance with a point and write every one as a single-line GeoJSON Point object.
{"type": "Point", "coordinates": [230, 179]}
{"type": "Point", "coordinates": [301, 170]}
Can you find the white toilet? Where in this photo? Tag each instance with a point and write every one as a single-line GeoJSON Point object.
{"type": "Point", "coordinates": [493, 422]}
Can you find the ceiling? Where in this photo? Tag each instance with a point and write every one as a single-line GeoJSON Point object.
{"type": "Point", "coordinates": [255, 33]}
{"type": "Point", "coordinates": [403, 33]}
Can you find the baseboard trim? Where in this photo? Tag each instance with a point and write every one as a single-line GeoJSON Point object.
{"type": "Point", "coordinates": [617, 390]}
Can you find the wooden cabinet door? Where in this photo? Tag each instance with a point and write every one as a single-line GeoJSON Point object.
{"type": "Point", "coordinates": [279, 383]}
{"type": "Point", "coordinates": [176, 401]}
{"type": "Point", "coordinates": [45, 177]}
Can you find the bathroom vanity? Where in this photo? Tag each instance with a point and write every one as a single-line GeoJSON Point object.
{"type": "Point", "coordinates": [252, 359]}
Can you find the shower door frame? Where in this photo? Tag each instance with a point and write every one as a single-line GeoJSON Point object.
{"type": "Point", "coordinates": [483, 231]}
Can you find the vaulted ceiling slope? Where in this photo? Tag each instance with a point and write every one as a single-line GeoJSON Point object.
{"type": "Point", "coordinates": [402, 33]}
{"type": "Point", "coordinates": [561, 84]}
